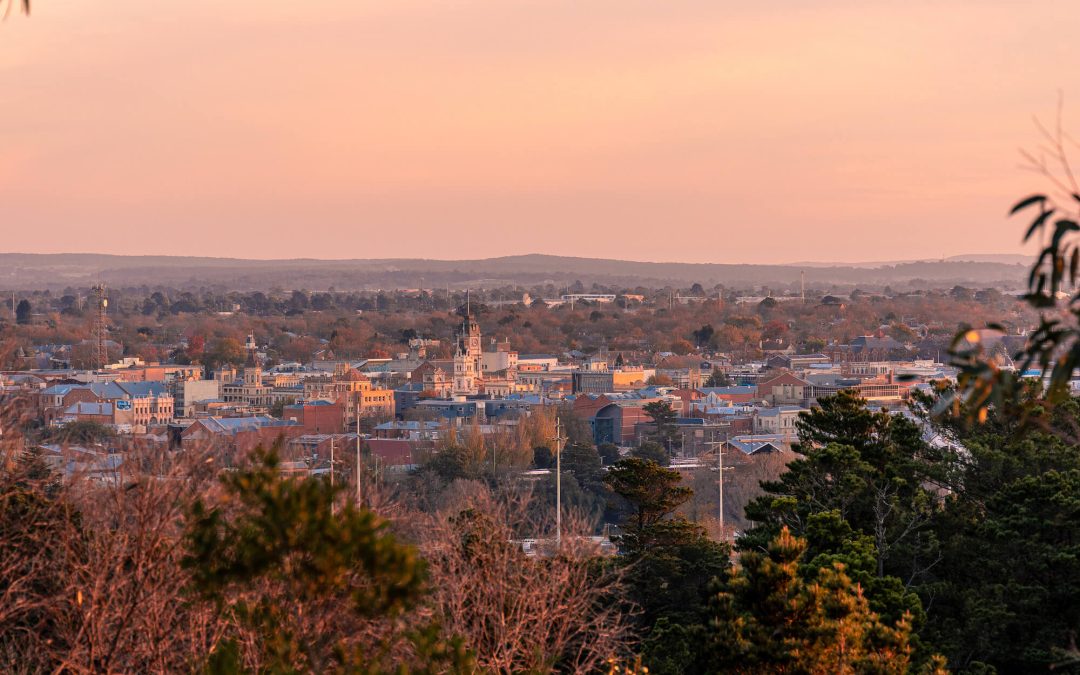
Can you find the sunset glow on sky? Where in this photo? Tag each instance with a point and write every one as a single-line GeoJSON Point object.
{"type": "Point", "coordinates": [689, 130]}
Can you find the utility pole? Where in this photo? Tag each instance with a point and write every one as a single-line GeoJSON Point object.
{"type": "Point", "coordinates": [101, 355]}
{"type": "Point", "coordinates": [720, 483]}
{"type": "Point", "coordinates": [331, 460]}
{"type": "Point", "coordinates": [558, 480]}
{"type": "Point", "coordinates": [358, 453]}
{"type": "Point", "coordinates": [719, 445]}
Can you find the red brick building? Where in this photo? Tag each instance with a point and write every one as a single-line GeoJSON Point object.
{"type": "Point", "coordinates": [317, 417]}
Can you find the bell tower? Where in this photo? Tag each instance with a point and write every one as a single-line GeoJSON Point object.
{"type": "Point", "coordinates": [252, 370]}
{"type": "Point", "coordinates": [468, 357]}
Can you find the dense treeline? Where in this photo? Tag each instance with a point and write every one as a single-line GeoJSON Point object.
{"type": "Point", "coordinates": [298, 326]}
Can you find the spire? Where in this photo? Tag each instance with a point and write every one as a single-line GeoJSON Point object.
{"type": "Point", "coordinates": [251, 349]}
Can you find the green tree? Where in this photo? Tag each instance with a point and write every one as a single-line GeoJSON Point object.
{"type": "Point", "coordinates": [575, 499]}
{"type": "Point", "coordinates": [651, 491]}
{"type": "Point", "coordinates": [222, 351]}
{"type": "Point", "coordinates": [702, 336]}
{"type": "Point", "coordinates": [609, 453]}
{"type": "Point", "coordinates": [583, 462]}
{"type": "Point", "coordinates": [455, 462]}
{"type": "Point", "coordinates": [23, 312]}
{"type": "Point", "coordinates": [653, 452]}
{"type": "Point", "coordinates": [283, 564]}
{"type": "Point", "coordinates": [575, 429]}
{"type": "Point", "coordinates": [1008, 531]}
{"type": "Point", "coordinates": [1005, 591]}
{"type": "Point", "coordinates": [859, 496]}
{"type": "Point", "coordinates": [543, 458]}
{"type": "Point", "coordinates": [663, 416]}
{"type": "Point", "coordinates": [670, 563]}
{"type": "Point", "coordinates": [718, 378]}
{"type": "Point", "coordinates": [768, 618]}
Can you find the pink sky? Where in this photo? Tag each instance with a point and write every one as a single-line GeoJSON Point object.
{"type": "Point", "coordinates": [687, 130]}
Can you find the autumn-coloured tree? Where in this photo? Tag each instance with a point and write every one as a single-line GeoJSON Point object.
{"type": "Point", "coordinates": [767, 618]}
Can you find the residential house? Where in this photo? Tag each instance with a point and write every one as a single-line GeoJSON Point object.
{"type": "Point", "coordinates": [784, 389]}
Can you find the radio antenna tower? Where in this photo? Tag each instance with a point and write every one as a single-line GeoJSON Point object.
{"type": "Point", "coordinates": [101, 303]}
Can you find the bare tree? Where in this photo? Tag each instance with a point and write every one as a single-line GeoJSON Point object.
{"type": "Point", "coordinates": [521, 613]}
{"type": "Point", "coordinates": [90, 574]}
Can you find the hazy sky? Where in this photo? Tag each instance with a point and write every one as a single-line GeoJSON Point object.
{"type": "Point", "coordinates": [690, 130]}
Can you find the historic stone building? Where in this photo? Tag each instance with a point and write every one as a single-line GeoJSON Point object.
{"type": "Point", "coordinates": [468, 359]}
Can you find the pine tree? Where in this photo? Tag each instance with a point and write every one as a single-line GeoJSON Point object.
{"type": "Point", "coordinates": [302, 577]}
{"type": "Point", "coordinates": [768, 618]}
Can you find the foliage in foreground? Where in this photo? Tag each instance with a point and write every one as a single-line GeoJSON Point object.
{"type": "Point", "coordinates": [305, 584]}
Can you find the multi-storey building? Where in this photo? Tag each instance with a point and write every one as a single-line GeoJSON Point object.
{"type": "Point", "coordinates": [187, 392]}
{"type": "Point", "coordinates": [130, 403]}
{"type": "Point", "coordinates": [248, 388]}
{"type": "Point", "coordinates": [354, 391]}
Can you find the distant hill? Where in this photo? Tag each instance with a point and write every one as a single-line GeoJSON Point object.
{"type": "Point", "coordinates": [1006, 258]}
{"type": "Point", "coordinates": [57, 271]}
{"type": "Point", "coordinates": [1003, 258]}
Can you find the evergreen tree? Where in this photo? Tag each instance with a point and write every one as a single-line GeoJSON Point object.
{"type": "Point", "coordinates": [669, 563]}
{"type": "Point", "coordinates": [768, 618]}
{"type": "Point", "coordinates": [582, 461]}
{"type": "Point", "coordinates": [859, 495]}
{"type": "Point", "coordinates": [22, 312]}
{"type": "Point", "coordinates": [651, 491]}
{"type": "Point", "coordinates": [653, 452]}
{"type": "Point", "coordinates": [285, 565]}
{"type": "Point", "coordinates": [609, 453]}
{"type": "Point", "coordinates": [1006, 590]}
{"type": "Point", "coordinates": [663, 416]}
{"type": "Point", "coordinates": [718, 379]}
